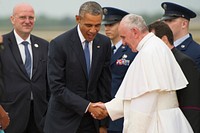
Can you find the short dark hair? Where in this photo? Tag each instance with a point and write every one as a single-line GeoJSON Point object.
{"type": "Point", "coordinates": [162, 29]}
{"type": "Point", "coordinates": [90, 7]}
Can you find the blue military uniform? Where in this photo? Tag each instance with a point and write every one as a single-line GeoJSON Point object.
{"type": "Point", "coordinates": [120, 61]}
{"type": "Point", "coordinates": [188, 46]}
{"type": "Point", "coordinates": [192, 49]}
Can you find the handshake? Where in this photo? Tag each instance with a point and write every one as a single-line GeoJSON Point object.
{"type": "Point", "coordinates": [98, 110]}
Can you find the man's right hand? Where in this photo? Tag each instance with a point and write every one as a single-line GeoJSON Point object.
{"type": "Point", "coordinates": [97, 112]}
{"type": "Point", "coordinates": [4, 118]}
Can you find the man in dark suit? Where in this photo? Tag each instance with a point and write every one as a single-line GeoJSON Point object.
{"type": "Point", "coordinates": [79, 75]}
{"type": "Point", "coordinates": [178, 18]}
{"type": "Point", "coordinates": [24, 66]}
{"type": "Point", "coordinates": [189, 97]}
{"type": "Point", "coordinates": [4, 118]}
{"type": "Point", "coordinates": [121, 58]}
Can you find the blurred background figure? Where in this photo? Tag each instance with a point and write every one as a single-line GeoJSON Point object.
{"type": "Point", "coordinates": [178, 19]}
{"type": "Point", "coordinates": [4, 118]}
{"type": "Point", "coordinates": [24, 67]}
{"type": "Point", "coordinates": [189, 97]}
{"type": "Point", "coordinates": [121, 57]}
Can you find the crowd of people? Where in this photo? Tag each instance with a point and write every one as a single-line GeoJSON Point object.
{"type": "Point", "coordinates": [137, 78]}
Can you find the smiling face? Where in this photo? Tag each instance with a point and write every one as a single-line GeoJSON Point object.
{"type": "Point", "coordinates": [23, 20]}
{"type": "Point", "coordinates": [89, 25]}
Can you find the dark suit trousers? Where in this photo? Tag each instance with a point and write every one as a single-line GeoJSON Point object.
{"type": "Point", "coordinates": [87, 125]}
{"type": "Point", "coordinates": [193, 117]}
{"type": "Point", "coordinates": [31, 127]}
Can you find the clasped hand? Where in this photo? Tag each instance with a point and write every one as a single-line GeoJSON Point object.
{"type": "Point", "coordinates": [98, 110]}
{"type": "Point", "coordinates": [4, 118]}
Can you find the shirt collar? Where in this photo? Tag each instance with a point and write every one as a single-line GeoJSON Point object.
{"type": "Point", "coordinates": [80, 35]}
{"type": "Point", "coordinates": [118, 44]}
{"type": "Point", "coordinates": [20, 40]}
{"type": "Point", "coordinates": [180, 40]}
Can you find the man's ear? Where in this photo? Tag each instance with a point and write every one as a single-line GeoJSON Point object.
{"type": "Point", "coordinates": [78, 18]}
{"type": "Point", "coordinates": [135, 32]}
{"type": "Point", "coordinates": [165, 39]}
{"type": "Point", "coordinates": [185, 23]}
{"type": "Point", "coordinates": [12, 19]}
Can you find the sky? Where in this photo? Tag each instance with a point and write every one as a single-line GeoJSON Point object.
{"type": "Point", "coordinates": [62, 8]}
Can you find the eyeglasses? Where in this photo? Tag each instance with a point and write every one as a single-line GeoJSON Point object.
{"type": "Point", "coordinates": [23, 18]}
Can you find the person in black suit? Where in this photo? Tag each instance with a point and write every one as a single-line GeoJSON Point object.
{"type": "Point", "coordinates": [178, 18]}
{"type": "Point", "coordinates": [189, 97]}
{"type": "Point", "coordinates": [4, 118]}
{"type": "Point", "coordinates": [1, 78]}
{"type": "Point", "coordinates": [121, 57]}
{"type": "Point", "coordinates": [75, 81]}
{"type": "Point", "coordinates": [24, 67]}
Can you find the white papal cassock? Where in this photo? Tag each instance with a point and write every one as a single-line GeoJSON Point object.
{"type": "Point", "coordinates": [147, 96]}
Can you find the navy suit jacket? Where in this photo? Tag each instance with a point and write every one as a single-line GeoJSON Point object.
{"type": "Point", "coordinates": [192, 49]}
{"type": "Point", "coordinates": [120, 61]}
{"type": "Point", "coordinates": [189, 97]}
{"type": "Point", "coordinates": [16, 97]}
{"type": "Point", "coordinates": [71, 89]}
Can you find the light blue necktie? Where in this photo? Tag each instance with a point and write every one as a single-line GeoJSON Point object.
{"type": "Point", "coordinates": [27, 58]}
{"type": "Point", "coordinates": [87, 56]}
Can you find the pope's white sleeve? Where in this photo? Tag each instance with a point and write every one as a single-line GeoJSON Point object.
{"type": "Point", "coordinates": [141, 111]}
{"type": "Point", "coordinates": [115, 108]}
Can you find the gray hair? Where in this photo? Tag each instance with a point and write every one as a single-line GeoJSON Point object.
{"type": "Point", "coordinates": [133, 20]}
{"type": "Point", "coordinates": [90, 7]}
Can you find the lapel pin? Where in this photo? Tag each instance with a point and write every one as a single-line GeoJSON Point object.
{"type": "Point", "coordinates": [98, 46]}
{"type": "Point", "coordinates": [36, 45]}
{"type": "Point", "coordinates": [182, 46]}
{"type": "Point", "coordinates": [124, 56]}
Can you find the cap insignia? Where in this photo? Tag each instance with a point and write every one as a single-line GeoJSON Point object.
{"type": "Point", "coordinates": [165, 6]}
{"type": "Point", "coordinates": [105, 11]}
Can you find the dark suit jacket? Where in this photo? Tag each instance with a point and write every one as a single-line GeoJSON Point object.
{"type": "Point", "coordinates": [192, 49]}
{"type": "Point", "coordinates": [189, 97]}
{"type": "Point", "coordinates": [1, 76]}
{"type": "Point", "coordinates": [18, 86]}
{"type": "Point", "coordinates": [120, 61]}
{"type": "Point", "coordinates": [71, 90]}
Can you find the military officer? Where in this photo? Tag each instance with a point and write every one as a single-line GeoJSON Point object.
{"type": "Point", "coordinates": [178, 18]}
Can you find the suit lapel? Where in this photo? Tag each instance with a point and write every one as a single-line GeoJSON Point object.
{"type": "Point", "coordinates": [16, 53]}
{"type": "Point", "coordinates": [95, 52]}
{"type": "Point", "coordinates": [78, 49]}
{"type": "Point", "coordinates": [119, 53]}
{"type": "Point", "coordinates": [35, 52]}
